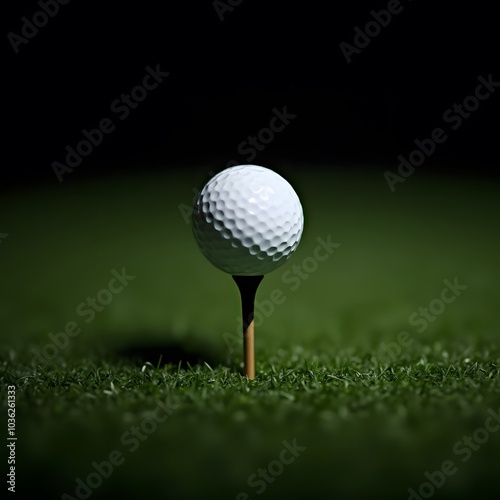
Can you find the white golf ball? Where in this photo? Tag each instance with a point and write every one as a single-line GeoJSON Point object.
{"type": "Point", "coordinates": [248, 220]}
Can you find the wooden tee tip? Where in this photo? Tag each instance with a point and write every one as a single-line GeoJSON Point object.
{"type": "Point", "coordinates": [249, 351]}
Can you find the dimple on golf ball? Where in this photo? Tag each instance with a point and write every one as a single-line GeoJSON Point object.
{"type": "Point", "coordinates": [248, 220]}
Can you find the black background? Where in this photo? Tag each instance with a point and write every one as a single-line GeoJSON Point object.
{"type": "Point", "coordinates": [226, 78]}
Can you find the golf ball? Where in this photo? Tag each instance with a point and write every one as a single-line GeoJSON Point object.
{"type": "Point", "coordinates": [248, 220]}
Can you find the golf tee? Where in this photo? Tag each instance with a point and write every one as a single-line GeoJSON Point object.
{"type": "Point", "coordinates": [247, 286]}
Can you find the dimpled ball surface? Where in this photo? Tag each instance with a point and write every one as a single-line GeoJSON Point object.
{"type": "Point", "coordinates": [248, 220]}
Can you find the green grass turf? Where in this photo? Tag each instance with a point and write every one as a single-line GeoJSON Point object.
{"type": "Point", "coordinates": [372, 426]}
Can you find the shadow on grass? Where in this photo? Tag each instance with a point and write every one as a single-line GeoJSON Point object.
{"type": "Point", "coordinates": [186, 352]}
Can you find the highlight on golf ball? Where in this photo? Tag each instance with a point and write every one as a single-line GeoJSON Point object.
{"type": "Point", "coordinates": [248, 220]}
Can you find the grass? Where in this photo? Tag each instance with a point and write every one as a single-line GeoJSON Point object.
{"type": "Point", "coordinates": [371, 425]}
